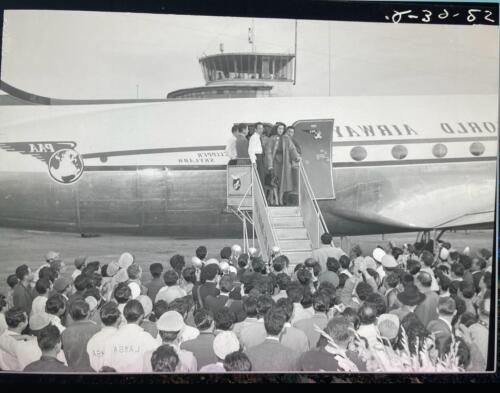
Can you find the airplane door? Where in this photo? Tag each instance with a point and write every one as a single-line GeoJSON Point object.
{"type": "Point", "coordinates": [315, 139]}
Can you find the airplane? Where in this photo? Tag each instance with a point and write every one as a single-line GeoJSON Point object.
{"type": "Point", "coordinates": [157, 167]}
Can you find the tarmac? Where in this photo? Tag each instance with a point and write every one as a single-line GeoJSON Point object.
{"type": "Point", "coordinates": [19, 246]}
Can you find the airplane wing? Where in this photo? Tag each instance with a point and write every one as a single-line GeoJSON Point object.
{"type": "Point", "coordinates": [470, 220]}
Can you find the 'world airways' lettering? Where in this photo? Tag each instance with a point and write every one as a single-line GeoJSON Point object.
{"type": "Point", "coordinates": [469, 128]}
{"type": "Point", "coordinates": [374, 130]}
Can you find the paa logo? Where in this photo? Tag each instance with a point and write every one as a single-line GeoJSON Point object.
{"type": "Point", "coordinates": [64, 163]}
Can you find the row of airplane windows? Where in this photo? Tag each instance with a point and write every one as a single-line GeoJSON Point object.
{"type": "Point", "coordinates": [399, 152]}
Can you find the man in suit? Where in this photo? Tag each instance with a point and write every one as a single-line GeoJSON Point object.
{"type": "Point", "coordinates": [209, 278]}
{"type": "Point", "coordinates": [218, 302]}
{"type": "Point", "coordinates": [442, 327]}
{"type": "Point", "coordinates": [427, 310]}
{"type": "Point", "coordinates": [242, 142]}
{"type": "Point", "coordinates": [271, 355]}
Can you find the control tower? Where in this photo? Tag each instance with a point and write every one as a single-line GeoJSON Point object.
{"type": "Point", "coordinates": [242, 75]}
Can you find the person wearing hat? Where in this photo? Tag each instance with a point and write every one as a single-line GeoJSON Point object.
{"type": "Point", "coordinates": [170, 325]}
{"type": "Point", "coordinates": [49, 343]}
{"type": "Point", "coordinates": [125, 350]}
{"type": "Point", "coordinates": [409, 298]}
{"type": "Point", "coordinates": [79, 266]}
{"type": "Point", "coordinates": [49, 257]}
{"type": "Point", "coordinates": [326, 250]}
{"type": "Point", "coordinates": [377, 255]}
{"type": "Point", "coordinates": [64, 287]}
{"type": "Point", "coordinates": [388, 327]}
{"type": "Point", "coordinates": [224, 344]}
{"type": "Point", "coordinates": [235, 254]}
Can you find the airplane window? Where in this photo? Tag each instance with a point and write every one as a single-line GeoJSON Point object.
{"type": "Point", "coordinates": [399, 152]}
{"type": "Point", "coordinates": [476, 148]}
{"type": "Point", "coordinates": [103, 159]}
{"type": "Point", "coordinates": [439, 150]}
{"type": "Point", "coordinates": [358, 153]}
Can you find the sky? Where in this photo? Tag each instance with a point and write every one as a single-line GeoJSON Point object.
{"type": "Point", "coordinates": [93, 55]}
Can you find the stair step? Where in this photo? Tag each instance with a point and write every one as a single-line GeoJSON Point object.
{"type": "Point", "coordinates": [291, 233]}
{"type": "Point", "coordinates": [284, 211]}
{"type": "Point", "coordinates": [295, 244]}
{"type": "Point", "coordinates": [285, 222]}
{"type": "Point", "coordinates": [296, 257]}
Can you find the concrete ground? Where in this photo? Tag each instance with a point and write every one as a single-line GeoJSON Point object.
{"type": "Point", "coordinates": [22, 246]}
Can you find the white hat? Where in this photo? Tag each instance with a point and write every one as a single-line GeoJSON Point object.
{"type": "Point", "coordinates": [378, 253]}
{"type": "Point", "coordinates": [388, 261]}
{"type": "Point", "coordinates": [466, 250]}
{"type": "Point", "coordinates": [52, 256]}
{"type": "Point", "coordinates": [275, 249]}
{"type": "Point", "coordinates": [92, 302]}
{"type": "Point", "coordinates": [232, 269]}
{"type": "Point", "coordinates": [197, 263]}
{"type": "Point", "coordinates": [224, 266]}
{"type": "Point", "coordinates": [236, 248]}
{"type": "Point", "coordinates": [444, 254]}
{"type": "Point", "coordinates": [225, 343]}
{"type": "Point", "coordinates": [212, 261]}
{"type": "Point", "coordinates": [125, 260]}
{"type": "Point", "coordinates": [135, 289]}
{"type": "Point", "coordinates": [39, 321]}
{"type": "Point", "coordinates": [147, 304]}
{"type": "Point", "coordinates": [370, 263]}
{"type": "Point", "coordinates": [388, 325]}
{"type": "Point", "coordinates": [171, 321]}
{"type": "Point", "coordinates": [252, 251]}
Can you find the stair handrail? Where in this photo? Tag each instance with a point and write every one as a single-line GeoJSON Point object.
{"type": "Point", "coordinates": [259, 193]}
{"type": "Point", "coordinates": [312, 197]}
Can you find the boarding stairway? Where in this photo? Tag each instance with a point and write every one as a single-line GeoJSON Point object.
{"type": "Point", "coordinates": [295, 230]}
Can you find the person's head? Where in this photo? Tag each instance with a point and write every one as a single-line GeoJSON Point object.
{"type": "Point", "coordinates": [237, 361]}
{"type": "Point", "coordinates": [338, 328]}
{"type": "Point", "coordinates": [485, 281]}
{"type": "Point", "coordinates": [159, 308]}
{"type": "Point", "coordinates": [413, 266]}
{"type": "Point", "coordinates": [156, 269]}
{"type": "Point", "coordinates": [280, 263]}
{"type": "Point", "coordinates": [264, 304]}
{"type": "Point", "coordinates": [224, 319]}
{"type": "Point", "coordinates": [12, 281]}
{"type": "Point", "coordinates": [280, 128]}
{"type": "Point", "coordinates": [457, 270]}
{"type": "Point", "coordinates": [484, 308]}
{"type": "Point", "coordinates": [407, 280]}
{"type": "Point", "coordinates": [234, 131]}
{"type": "Point", "coordinates": [209, 272]}
{"type": "Point", "coordinates": [466, 290]}
{"type": "Point", "coordinates": [110, 314]}
{"type": "Point", "coordinates": [134, 272]}
{"type": "Point", "coordinates": [182, 305]}
{"type": "Point", "coordinates": [295, 292]}
{"type": "Point", "coordinates": [259, 128]}
{"type": "Point", "coordinates": [82, 282]}
{"type": "Point", "coordinates": [122, 293]}
{"type": "Point", "coordinates": [329, 289]}
{"type": "Point", "coordinates": [164, 359]}
{"type": "Point", "coordinates": [307, 300]}
{"type": "Point", "coordinates": [258, 265]}
{"type": "Point", "coordinates": [332, 265]}
{"type": "Point", "coordinates": [283, 280]}
{"type": "Point", "coordinates": [355, 252]}
{"type": "Point", "coordinates": [443, 283]}
{"type": "Point", "coordinates": [177, 262]}
{"type": "Point", "coordinates": [326, 238]}
{"type": "Point", "coordinates": [352, 316]}
{"type": "Point", "coordinates": [478, 264]}
{"type": "Point", "coordinates": [201, 252]}
{"type": "Point", "coordinates": [423, 281]}
{"type": "Point", "coordinates": [468, 318]}
{"type": "Point", "coordinates": [16, 319]}
{"type": "Point", "coordinates": [250, 306]}
{"type": "Point", "coordinates": [243, 261]}
{"type": "Point", "coordinates": [377, 301]}
{"type": "Point", "coordinates": [415, 331]}
{"type": "Point", "coordinates": [79, 310]}
{"type": "Point", "coordinates": [189, 274]}
{"type": "Point", "coordinates": [290, 131]}
{"type": "Point", "coordinates": [49, 340]}
{"type": "Point", "coordinates": [133, 312]}
{"type": "Point", "coordinates": [447, 307]}
{"type": "Point", "coordinates": [466, 261]}
{"type": "Point", "coordinates": [274, 321]}
{"type": "Point", "coordinates": [287, 306]}
{"type": "Point", "coordinates": [243, 129]}
{"type": "Point", "coordinates": [55, 305]}
{"type": "Point", "coordinates": [321, 302]}
{"type": "Point", "coordinates": [23, 273]}
{"type": "Point", "coordinates": [427, 258]}
{"type": "Point", "coordinates": [367, 314]}
{"type": "Point", "coordinates": [362, 290]}
{"type": "Point", "coordinates": [304, 276]}
{"type": "Point", "coordinates": [345, 262]}
{"type": "Point", "coordinates": [43, 286]}
{"type": "Point", "coordinates": [203, 320]}
{"type": "Point", "coordinates": [170, 277]}
{"type": "Point", "coordinates": [392, 280]}
{"type": "Point", "coordinates": [226, 284]}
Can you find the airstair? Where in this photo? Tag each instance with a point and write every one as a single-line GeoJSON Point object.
{"type": "Point", "coordinates": [295, 230]}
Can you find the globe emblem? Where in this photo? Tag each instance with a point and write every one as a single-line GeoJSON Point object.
{"type": "Point", "coordinates": [66, 166]}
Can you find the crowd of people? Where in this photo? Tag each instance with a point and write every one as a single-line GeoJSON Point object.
{"type": "Point", "coordinates": [276, 154]}
{"type": "Point", "coordinates": [391, 309]}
